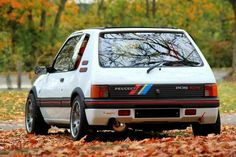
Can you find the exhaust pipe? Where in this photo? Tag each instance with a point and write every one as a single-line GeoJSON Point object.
{"type": "Point", "coordinates": [118, 126]}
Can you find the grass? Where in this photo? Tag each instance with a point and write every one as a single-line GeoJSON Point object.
{"type": "Point", "coordinates": [227, 93]}
{"type": "Point", "coordinates": [12, 102]}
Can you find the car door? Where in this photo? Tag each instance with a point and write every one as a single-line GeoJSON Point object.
{"type": "Point", "coordinates": [71, 78]}
{"type": "Point", "coordinates": [52, 94]}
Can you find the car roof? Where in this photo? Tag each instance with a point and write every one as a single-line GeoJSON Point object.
{"type": "Point", "coordinates": [132, 27]}
{"type": "Point", "coordinates": [111, 29]}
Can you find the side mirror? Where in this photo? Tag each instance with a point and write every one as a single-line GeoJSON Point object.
{"type": "Point", "coordinates": [40, 70]}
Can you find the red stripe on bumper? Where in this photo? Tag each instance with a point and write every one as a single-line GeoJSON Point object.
{"type": "Point", "coordinates": [159, 102]}
{"type": "Point", "coordinates": [50, 102]}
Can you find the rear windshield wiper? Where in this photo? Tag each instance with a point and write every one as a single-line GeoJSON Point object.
{"type": "Point", "coordinates": [171, 63]}
{"type": "Point", "coordinates": [181, 62]}
{"type": "Point", "coordinates": [154, 66]}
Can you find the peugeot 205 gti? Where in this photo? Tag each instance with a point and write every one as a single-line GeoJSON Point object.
{"type": "Point", "coordinates": [118, 78]}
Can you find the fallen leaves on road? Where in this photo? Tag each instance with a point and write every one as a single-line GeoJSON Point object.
{"type": "Point", "coordinates": [12, 104]}
{"type": "Point", "coordinates": [169, 143]}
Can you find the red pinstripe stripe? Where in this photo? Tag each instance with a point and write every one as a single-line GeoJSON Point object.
{"type": "Point", "coordinates": [50, 102]}
{"type": "Point", "coordinates": [54, 101]}
{"type": "Point", "coordinates": [159, 102]}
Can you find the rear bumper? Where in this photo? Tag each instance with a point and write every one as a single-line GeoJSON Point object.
{"type": "Point", "coordinates": [99, 112]}
{"type": "Point", "coordinates": [102, 117]}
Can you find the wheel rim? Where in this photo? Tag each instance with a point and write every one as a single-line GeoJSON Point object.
{"type": "Point", "coordinates": [75, 119]}
{"type": "Point", "coordinates": [29, 116]}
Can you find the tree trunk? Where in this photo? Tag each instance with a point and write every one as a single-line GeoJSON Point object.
{"type": "Point", "coordinates": [234, 45]}
{"type": "Point", "coordinates": [100, 6]}
{"type": "Point", "coordinates": [153, 8]}
{"type": "Point", "coordinates": [57, 20]}
{"type": "Point", "coordinates": [147, 8]}
{"type": "Point", "coordinates": [13, 38]}
{"type": "Point", "coordinates": [42, 19]}
{"type": "Point", "coordinates": [59, 13]}
{"type": "Point", "coordinates": [18, 62]}
{"type": "Point", "coordinates": [19, 74]}
{"type": "Point", "coordinates": [14, 52]}
{"type": "Point", "coordinates": [233, 2]}
{"type": "Point", "coordinates": [31, 21]}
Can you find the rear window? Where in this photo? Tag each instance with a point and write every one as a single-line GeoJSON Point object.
{"type": "Point", "coordinates": [146, 49]}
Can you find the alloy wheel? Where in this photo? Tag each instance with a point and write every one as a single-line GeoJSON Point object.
{"type": "Point", "coordinates": [75, 119]}
{"type": "Point", "coordinates": [29, 116]}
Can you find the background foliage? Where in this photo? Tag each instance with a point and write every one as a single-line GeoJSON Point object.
{"type": "Point", "coordinates": [31, 32]}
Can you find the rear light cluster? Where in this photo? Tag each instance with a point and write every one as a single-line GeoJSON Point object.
{"type": "Point", "coordinates": [190, 112]}
{"type": "Point", "coordinates": [99, 91]}
{"type": "Point", "coordinates": [123, 112]}
{"type": "Point", "coordinates": [211, 90]}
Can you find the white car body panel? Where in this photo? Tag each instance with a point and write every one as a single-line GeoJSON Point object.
{"type": "Point", "coordinates": [51, 84]}
{"type": "Point", "coordinates": [156, 76]}
{"type": "Point", "coordinates": [56, 115]}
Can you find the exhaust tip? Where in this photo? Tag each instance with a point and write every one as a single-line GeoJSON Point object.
{"type": "Point", "coordinates": [118, 126]}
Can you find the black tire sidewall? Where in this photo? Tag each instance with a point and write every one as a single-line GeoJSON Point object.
{"type": "Point", "coordinates": [39, 126]}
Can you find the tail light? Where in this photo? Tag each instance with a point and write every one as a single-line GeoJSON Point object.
{"type": "Point", "coordinates": [99, 91]}
{"type": "Point", "coordinates": [211, 90]}
{"type": "Point", "coordinates": [123, 112]}
{"type": "Point", "coordinates": [190, 112]}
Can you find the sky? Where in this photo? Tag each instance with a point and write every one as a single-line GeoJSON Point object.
{"type": "Point", "coordinates": [84, 1]}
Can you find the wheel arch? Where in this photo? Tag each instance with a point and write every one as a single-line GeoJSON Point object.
{"type": "Point", "coordinates": [34, 92]}
{"type": "Point", "coordinates": [77, 92]}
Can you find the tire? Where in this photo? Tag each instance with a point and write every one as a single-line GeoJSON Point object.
{"type": "Point", "coordinates": [34, 122]}
{"type": "Point", "coordinates": [78, 121]}
{"type": "Point", "coordinates": [205, 129]}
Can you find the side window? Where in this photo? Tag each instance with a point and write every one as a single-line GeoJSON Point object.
{"type": "Point", "coordinates": [64, 60]}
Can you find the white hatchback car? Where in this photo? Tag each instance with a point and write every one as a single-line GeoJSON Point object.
{"type": "Point", "coordinates": [114, 78]}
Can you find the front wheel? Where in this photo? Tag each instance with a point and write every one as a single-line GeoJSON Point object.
{"type": "Point", "coordinates": [205, 129]}
{"type": "Point", "coordinates": [78, 122]}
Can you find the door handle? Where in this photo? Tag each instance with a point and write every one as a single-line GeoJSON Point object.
{"type": "Point", "coordinates": [61, 79]}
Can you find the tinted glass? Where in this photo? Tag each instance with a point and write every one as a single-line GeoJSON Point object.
{"type": "Point", "coordinates": [145, 49]}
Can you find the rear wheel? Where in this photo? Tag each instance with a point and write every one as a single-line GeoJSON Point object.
{"type": "Point", "coordinates": [205, 129]}
{"type": "Point", "coordinates": [78, 122]}
{"type": "Point", "coordinates": [34, 121]}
